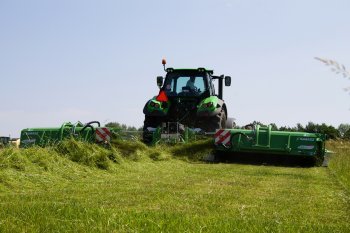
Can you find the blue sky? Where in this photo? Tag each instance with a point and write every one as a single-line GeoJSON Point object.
{"type": "Point", "coordinates": [98, 60]}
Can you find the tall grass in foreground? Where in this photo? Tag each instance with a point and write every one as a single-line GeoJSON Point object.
{"type": "Point", "coordinates": [340, 161]}
{"type": "Point", "coordinates": [128, 187]}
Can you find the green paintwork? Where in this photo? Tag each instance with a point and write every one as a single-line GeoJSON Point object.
{"type": "Point", "coordinates": [203, 105]}
{"type": "Point", "coordinates": [157, 106]}
{"type": "Point", "coordinates": [264, 140]}
{"type": "Point", "coordinates": [49, 136]}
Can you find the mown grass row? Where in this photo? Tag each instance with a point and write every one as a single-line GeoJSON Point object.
{"type": "Point", "coordinates": [118, 152]}
{"type": "Point", "coordinates": [102, 157]}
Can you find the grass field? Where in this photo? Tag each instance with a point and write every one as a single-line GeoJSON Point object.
{"type": "Point", "coordinates": [78, 187]}
{"type": "Point", "coordinates": [340, 161]}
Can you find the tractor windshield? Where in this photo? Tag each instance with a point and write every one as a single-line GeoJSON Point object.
{"type": "Point", "coordinates": [184, 85]}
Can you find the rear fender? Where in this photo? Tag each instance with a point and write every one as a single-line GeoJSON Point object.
{"type": "Point", "coordinates": [156, 108]}
{"type": "Point", "coordinates": [210, 107]}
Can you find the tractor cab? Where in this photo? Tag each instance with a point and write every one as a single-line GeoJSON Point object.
{"type": "Point", "coordinates": [191, 82]}
{"type": "Point", "coordinates": [186, 82]}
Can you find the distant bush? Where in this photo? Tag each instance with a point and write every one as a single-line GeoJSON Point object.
{"type": "Point", "coordinates": [117, 125]}
{"type": "Point", "coordinates": [331, 131]}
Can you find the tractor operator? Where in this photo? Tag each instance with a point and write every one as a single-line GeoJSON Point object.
{"type": "Point", "coordinates": [190, 84]}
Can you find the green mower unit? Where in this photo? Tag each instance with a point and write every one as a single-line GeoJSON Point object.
{"type": "Point", "coordinates": [262, 140]}
{"type": "Point", "coordinates": [90, 132]}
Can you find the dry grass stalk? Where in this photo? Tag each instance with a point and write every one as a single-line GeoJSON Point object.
{"type": "Point", "coordinates": [337, 68]}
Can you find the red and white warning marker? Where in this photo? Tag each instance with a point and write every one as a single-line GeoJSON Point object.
{"type": "Point", "coordinates": [222, 137]}
{"type": "Point", "coordinates": [103, 134]}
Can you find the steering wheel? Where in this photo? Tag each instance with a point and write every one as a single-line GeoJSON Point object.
{"type": "Point", "coordinates": [188, 91]}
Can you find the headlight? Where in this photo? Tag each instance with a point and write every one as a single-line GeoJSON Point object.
{"type": "Point", "coordinates": [208, 105]}
{"type": "Point", "coordinates": [155, 105]}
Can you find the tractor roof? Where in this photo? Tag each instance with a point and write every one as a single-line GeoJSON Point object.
{"type": "Point", "coordinates": [189, 69]}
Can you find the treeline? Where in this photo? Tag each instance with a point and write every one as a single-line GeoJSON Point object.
{"type": "Point", "coordinates": [341, 132]}
{"type": "Point", "coordinates": [124, 127]}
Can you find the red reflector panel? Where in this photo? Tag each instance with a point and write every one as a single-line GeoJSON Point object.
{"type": "Point", "coordinates": [162, 97]}
{"type": "Point", "coordinates": [103, 134]}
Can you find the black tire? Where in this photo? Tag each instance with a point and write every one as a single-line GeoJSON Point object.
{"type": "Point", "coordinates": [217, 122]}
{"type": "Point", "coordinates": [153, 122]}
{"type": "Point", "coordinates": [318, 161]}
{"type": "Point", "coordinates": [223, 119]}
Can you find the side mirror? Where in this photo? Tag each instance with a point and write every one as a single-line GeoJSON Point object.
{"type": "Point", "coordinates": [227, 81]}
{"type": "Point", "coordinates": [159, 81]}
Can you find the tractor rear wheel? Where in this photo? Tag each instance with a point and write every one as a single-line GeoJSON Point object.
{"type": "Point", "coordinates": [217, 122]}
{"type": "Point", "coordinates": [152, 122]}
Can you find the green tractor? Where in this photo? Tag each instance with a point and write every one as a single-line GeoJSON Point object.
{"type": "Point", "coordinates": [187, 99]}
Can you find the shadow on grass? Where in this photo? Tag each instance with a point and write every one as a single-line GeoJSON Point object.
{"type": "Point", "coordinates": [264, 159]}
